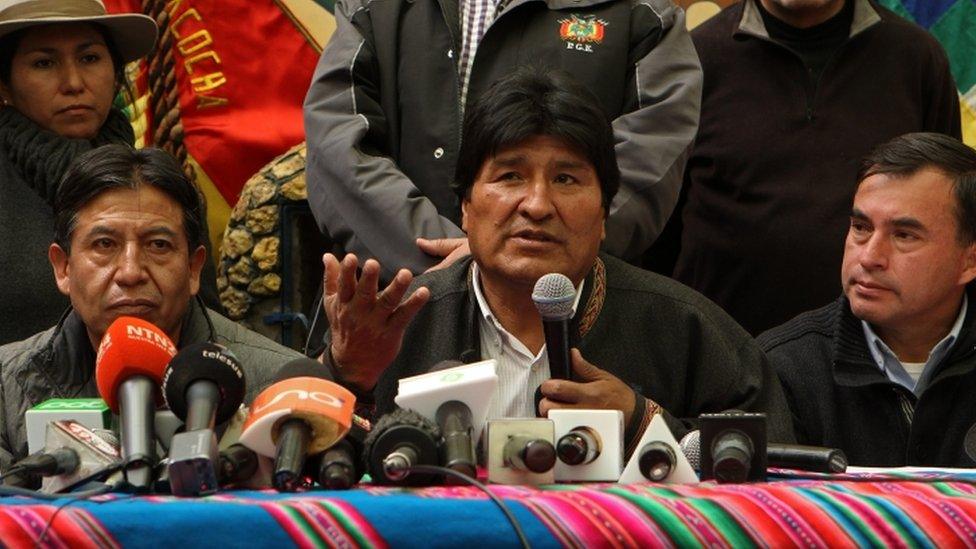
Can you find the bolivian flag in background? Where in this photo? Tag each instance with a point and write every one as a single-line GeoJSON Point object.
{"type": "Point", "coordinates": [226, 84]}
{"type": "Point", "coordinates": [953, 23]}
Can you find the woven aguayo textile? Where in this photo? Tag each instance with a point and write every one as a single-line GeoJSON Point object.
{"type": "Point", "coordinates": [921, 511]}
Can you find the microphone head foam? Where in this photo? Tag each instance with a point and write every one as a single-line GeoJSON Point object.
{"type": "Point", "coordinates": [691, 448]}
{"type": "Point", "coordinates": [130, 347]}
{"type": "Point", "coordinates": [554, 295]}
{"type": "Point", "coordinates": [303, 367]}
{"type": "Point", "coordinates": [210, 362]}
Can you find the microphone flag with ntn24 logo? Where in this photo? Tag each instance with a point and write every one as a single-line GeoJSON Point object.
{"type": "Point", "coordinates": [90, 412]}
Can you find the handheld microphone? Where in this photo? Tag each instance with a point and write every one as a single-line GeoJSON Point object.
{"type": "Point", "coordinates": [691, 448]}
{"type": "Point", "coordinates": [400, 440]}
{"type": "Point", "coordinates": [204, 385]}
{"type": "Point", "coordinates": [342, 466]}
{"type": "Point", "coordinates": [554, 296]}
{"type": "Point", "coordinates": [456, 398]}
{"type": "Point", "coordinates": [129, 367]}
{"type": "Point", "coordinates": [299, 415]}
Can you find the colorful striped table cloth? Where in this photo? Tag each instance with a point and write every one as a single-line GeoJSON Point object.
{"type": "Point", "coordinates": [854, 510]}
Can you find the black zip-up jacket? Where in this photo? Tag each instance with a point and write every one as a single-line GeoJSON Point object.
{"type": "Point", "coordinates": [383, 114]}
{"type": "Point", "coordinates": [770, 181]}
{"type": "Point", "coordinates": [841, 399]}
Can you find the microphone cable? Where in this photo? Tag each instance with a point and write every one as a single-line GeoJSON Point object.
{"type": "Point", "coordinates": [437, 469]}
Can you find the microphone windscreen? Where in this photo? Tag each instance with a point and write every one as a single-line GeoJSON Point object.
{"type": "Point", "coordinates": [130, 347]}
{"type": "Point", "coordinates": [303, 367]}
{"type": "Point", "coordinates": [210, 362]}
{"type": "Point", "coordinates": [554, 295]}
{"type": "Point", "coordinates": [691, 448]}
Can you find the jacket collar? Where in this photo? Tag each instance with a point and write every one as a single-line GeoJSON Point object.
{"type": "Point", "coordinates": [751, 23]}
{"type": "Point", "coordinates": [854, 366]}
{"type": "Point", "coordinates": [66, 366]}
{"type": "Point", "coordinates": [590, 306]}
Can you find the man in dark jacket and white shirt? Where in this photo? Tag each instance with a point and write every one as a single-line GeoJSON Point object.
{"type": "Point", "coordinates": [536, 175]}
{"type": "Point", "coordinates": [128, 242]}
{"type": "Point", "coordinates": [887, 372]}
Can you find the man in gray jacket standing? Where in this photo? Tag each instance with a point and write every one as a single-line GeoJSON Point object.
{"type": "Point", "coordinates": [128, 242]}
{"type": "Point", "coordinates": [383, 115]}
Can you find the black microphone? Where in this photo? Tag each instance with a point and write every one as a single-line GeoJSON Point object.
{"type": "Point", "coordinates": [554, 296]}
{"type": "Point", "coordinates": [342, 466]}
{"type": "Point", "coordinates": [806, 458]}
{"type": "Point", "coordinates": [579, 446]}
{"type": "Point", "coordinates": [59, 461]}
{"type": "Point", "coordinates": [238, 463]}
{"type": "Point", "coordinates": [783, 456]}
{"type": "Point", "coordinates": [733, 446]}
{"type": "Point", "coordinates": [296, 435]}
{"type": "Point", "coordinates": [656, 460]}
{"type": "Point", "coordinates": [204, 385]}
{"type": "Point", "coordinates": [399, 441]}
{"type": "Point", "coordinates": [525, 452]}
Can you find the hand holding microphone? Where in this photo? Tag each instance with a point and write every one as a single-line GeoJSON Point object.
{"type": "Point", "coordinates": [595, 389]}
{"type": "Point", "coordinates": [367, 326]}
{"type": "Point", "coordinates": [129, 368]}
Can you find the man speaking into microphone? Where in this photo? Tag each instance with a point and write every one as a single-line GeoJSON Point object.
{"type": "Point", "coordinates": [535, 175]}
{"type": "Point", "coordinates": [128, 242]}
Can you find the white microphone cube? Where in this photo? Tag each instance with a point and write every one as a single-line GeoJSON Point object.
{"type": "Point", "coordinates": [90, 412]}
{"type": "Point", "coordinates": [503, 431]}
{"type": "Point", "coordinates": [658, 432]}
{"type": "Point", "coordinates": [473, 384]}
{"type": "Point", "coordinates": [608, 425]}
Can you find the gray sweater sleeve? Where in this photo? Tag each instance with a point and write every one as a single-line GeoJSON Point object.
{"type": "Point", "coordinates": [358, 196]}
{"type": "Point", "coordinates": [655, 137]}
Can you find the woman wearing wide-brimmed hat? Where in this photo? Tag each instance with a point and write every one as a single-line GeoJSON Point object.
{"type": "Point", "coordinates": [61, 66]}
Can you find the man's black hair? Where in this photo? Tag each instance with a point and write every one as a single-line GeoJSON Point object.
{"type": "Point", "coordinates": [122, 167]}
{"type": "Point", "coordinates": [905, 155]}
{"type": "Point", "coordinates": [529, 103]}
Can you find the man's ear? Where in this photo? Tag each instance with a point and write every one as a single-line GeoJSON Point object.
{"type": "Point", "coordinates": [197, 259]}
{"type": "Point", "coordinates": [969, 265]}
{"type": "Point", "coordinates": [464, 214]}
{"type": "Point", "coordinates": [62, 272]}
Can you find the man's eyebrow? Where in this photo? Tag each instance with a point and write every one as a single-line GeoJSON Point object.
{"type": "Point", "coordinates": [908, 223]}
{"type": "Point", "coordinates": [569, 165]}
{"type": "Point", "coordinates": [509, 160]}
{"type": "Point", "coordinates": [101, 230]}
